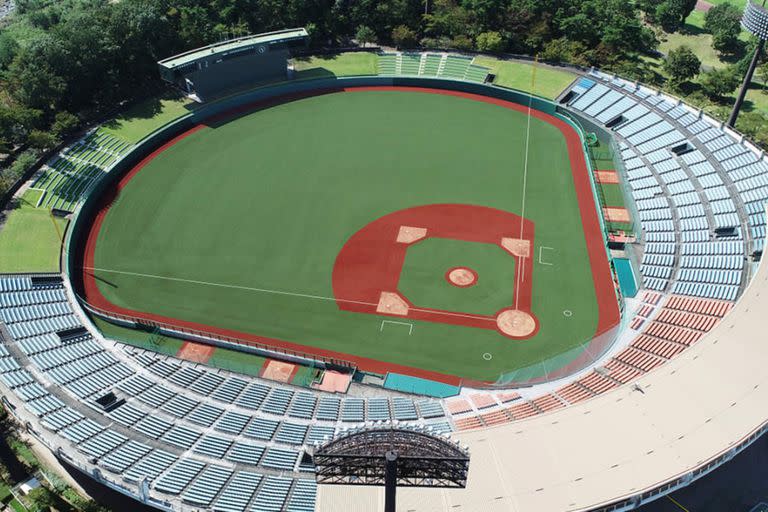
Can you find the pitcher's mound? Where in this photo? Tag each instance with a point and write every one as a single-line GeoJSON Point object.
{"type": "Point", "coordinates": [462, 277]}
{"type": "Point", "coordinates": [515, 323]}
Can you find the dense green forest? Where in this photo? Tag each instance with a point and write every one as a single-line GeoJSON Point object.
{"type": "Point", "coordinates": [66, 62]}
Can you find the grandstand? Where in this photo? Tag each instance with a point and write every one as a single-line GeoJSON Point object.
{"type": "Point", "coordinates": [646, 418]}
{"type": "Point", "coordinates": [440, 65]}
{"type": "Point", "coordinates": [236, 428]}
{"type": "Point", "coordinates": [699, 189]}
{"type": "Point", "coordinates": [69, 174]}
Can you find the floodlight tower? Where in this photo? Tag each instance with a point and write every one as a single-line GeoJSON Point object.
{"type": "Point", "coordinates": [755, 21]}
{"type": "Point", "coordinates": [391, 456]}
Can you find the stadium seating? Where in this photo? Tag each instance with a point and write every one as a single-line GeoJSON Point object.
{"type": "Point", "coordinates": [68, 175]}
{"type": "Point", "coordinates": [194, 433]}
{"type": "Point", "coordinates": [441, 65]}
{"type": "Point", "coordinates": [684, 200]}
{"type": "Point", "coordinates": [211, 439]}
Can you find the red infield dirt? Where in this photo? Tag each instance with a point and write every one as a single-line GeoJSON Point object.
{"type": "Point", "coordinates": [195, 352]}
{"type": "Point", "coordinates": [607, 177]}
{"type": "Point", "coordinates": [603, 283]}
{"type": "Point", "coordinates": [613, 214]}
{"type": "Point", "coordinates": [278, 371]}
{"type": "Point", "coordinates": [369, 265]}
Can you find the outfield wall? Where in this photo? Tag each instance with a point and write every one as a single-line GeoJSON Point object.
{"type": "Point", "coordinates": [98, 197]}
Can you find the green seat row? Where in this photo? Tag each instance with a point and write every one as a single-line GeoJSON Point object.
{"type": "Point", "coordinates": [432, 64]}
{"type": "Point", "coordinates": [387, 64]}
{"type": "Point", "coordinates": [476, 73]}
{"type": "Point", "coordinates": [410, 64]}
{"type": "Point", "coordinates": [69, 176]}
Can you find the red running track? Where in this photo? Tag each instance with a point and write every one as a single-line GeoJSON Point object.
{"type": "Point", "coordinates": [608, 310]}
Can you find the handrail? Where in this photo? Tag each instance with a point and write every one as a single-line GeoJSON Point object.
{"type": "Point", "coordinates": [207, 335]}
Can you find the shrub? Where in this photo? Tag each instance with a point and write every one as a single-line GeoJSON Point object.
{"type": "Point", "coordinates": [64, 123]}
{"type": "Point", "coordinates": [365, 35]}
{"type": "Point", "coordinates": [23, 163]}
{"type": "Point", "coordinates": [681, 64]}
{"type": "Point", "coordinates": [490, 42]}
{"type": "Point", "coordinates": [41, 140]}
{"type": "Point", "coordinates": [404, 37]}
{"type": "Point", "coordinates": [462, 42]}
{"type": "Point", "coordinates": [719, 82]}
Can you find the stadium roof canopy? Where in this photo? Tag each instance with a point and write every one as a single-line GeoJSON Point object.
{"type": "Point", "coordinates": [234, 45]}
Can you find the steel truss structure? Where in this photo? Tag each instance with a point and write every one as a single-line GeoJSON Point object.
{"type": "Point", "coordinates": [391, 456]}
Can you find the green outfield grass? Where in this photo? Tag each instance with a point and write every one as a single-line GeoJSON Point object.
{"type": "Point", "coordinates": [238, 225]}
{"type": "Point", "coordinates": [612, 194]}
{"type": "Point", "coordinates": [343, 64]}
{"type": "Point", "coordinates": [147, 116]}
{"type": "Point", "coordinates": [518, 75]}
{"type": "Point", "coordinates": [141, 339]}
{"type": "Point", "coordinates": [241, 362]}
{"type": "Point", "coordinates": [233, 360]}
{"type": "Point", "coordinates": [30, 237]}
{"type": "Point", "coordinates": [737, 3]}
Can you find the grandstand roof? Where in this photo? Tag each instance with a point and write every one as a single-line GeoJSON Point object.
{"type": "Point", "coordinates": [233, 44]}
{"type": "Point", "coordinates": [691, 410]}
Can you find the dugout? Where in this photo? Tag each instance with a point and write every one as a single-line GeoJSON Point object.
{"type": "Point", "coordinates": [204, 72]}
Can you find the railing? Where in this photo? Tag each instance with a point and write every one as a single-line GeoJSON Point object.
{"type": "Point", "coordinates": [215, 339]}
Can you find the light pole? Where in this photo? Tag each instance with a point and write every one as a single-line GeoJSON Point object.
{"type": "Point", "coordinates": [755, 21]}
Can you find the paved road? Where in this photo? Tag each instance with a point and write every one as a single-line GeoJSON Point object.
{"type": "Point", "coordinates": [737, 486]}
{"type": "Point", "coordinates": [6, 6]}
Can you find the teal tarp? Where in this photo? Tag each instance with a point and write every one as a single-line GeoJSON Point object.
{"type": "Point", "coordinates": [419, 386]}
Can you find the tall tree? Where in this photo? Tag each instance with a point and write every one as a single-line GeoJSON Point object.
{"type": "Point", "coordinates": [681, 64]}
{"type": "Point", "coordinates": [724, 22]}
{"type": "Point", "coordinates": [365, 35]}
{"type": "Point", "coordinates": [719, 82]}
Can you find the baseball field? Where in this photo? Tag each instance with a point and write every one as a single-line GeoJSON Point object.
{"type": "Point", "coordinates": [439, 234]}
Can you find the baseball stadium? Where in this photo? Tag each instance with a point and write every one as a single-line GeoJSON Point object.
{"type": "Point", "coordinates": [312, 279]}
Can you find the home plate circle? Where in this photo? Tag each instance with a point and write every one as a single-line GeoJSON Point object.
{"type": "Point", "coordinates": [515, 323]}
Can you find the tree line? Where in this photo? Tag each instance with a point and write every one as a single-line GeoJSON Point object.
{"type": "Point", "coordinates": [64, 62]}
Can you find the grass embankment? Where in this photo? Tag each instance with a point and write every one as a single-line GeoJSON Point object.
{"type": "Point", "coordinates": [30, 239]}
{"type": "Point", "coordinates": [147, 116]}
{"type": "Point", "coordinates": [515, 75]}
{"type": "Point", "coordinates": [548, 82]}
{"type": "Point", "coordinates": [342, 64]}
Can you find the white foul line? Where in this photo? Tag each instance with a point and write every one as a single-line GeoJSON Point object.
{"type": "Point", "coordinates": [278, 292]}
{"type": "Point", "coordinates": [525, 178]}
{"type": "Point", "coordinates": [234, 286]}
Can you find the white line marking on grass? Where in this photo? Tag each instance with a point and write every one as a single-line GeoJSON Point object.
{"type": "Point", "coordinates": [541, 250]}
{"type": "Point", "coordinates": [487, 356]}
{"type": "Point", "coordinates": [233, 286]}
{"type": "Point", "coordinates": [278, 292]}
{"type": "Point", "coordinates": [525, 168]}
{"type": "Point", "coordinates": [410, 326]}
